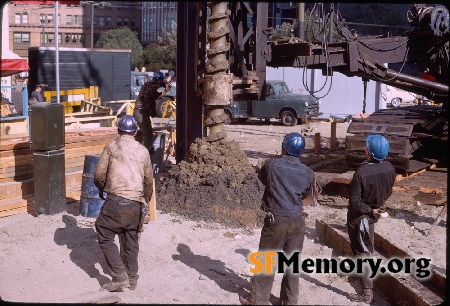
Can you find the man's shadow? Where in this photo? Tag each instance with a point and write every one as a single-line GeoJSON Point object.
{"type": "Point", "coordinates": [85, 249]}
{"type": "Point", "coordinates": [213, 269]}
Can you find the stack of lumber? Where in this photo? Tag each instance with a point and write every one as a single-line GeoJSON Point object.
{"type": "Point", "coordinates": [16, 167]}
{"type": "Point", "coordinates": [92, 114]}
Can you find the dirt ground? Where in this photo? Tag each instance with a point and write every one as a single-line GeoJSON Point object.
{"type": "Point", "coordinates": [195, 252]}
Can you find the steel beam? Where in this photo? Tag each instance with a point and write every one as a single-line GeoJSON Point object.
{"type": "Point", "coordinates": [189, 103]}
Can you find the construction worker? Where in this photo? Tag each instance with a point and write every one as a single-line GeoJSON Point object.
{"type": "Point", "coordinates": [371, 186]}
{"type": "Point", "coordinates": [124, 172]}
{"type": "Point", "coordinates": [145, 106]}
{"type": "Point", "coordinates": [287, 182]}
{"type": "Point", "coordinates": [36, 95]}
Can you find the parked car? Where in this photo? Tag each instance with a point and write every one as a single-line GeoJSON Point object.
{"type": "Point", "coordinates": [280, 103]}
{"type": "Point", "coordinates": [395, 97]}
{"type": "Point", "coordinates": [137, 80]}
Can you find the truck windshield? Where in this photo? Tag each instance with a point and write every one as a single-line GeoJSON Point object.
{"type": "Point", "coordinates": [139, 80]}
{"type": "Point", "coordinates": [280, 88]}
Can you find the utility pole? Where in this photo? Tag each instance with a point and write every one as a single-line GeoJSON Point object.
{"type": "Point", "coordinates": [330, 34]}
{"type": "Point", "coordinates": [42, 19]}
{"type": "Point", "coordinates": [301, 20]}
{"type": "Point", "coordinates": [92, 25]}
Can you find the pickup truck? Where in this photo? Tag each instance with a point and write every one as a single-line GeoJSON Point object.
{"type": "Point", "coordinates": [280, 103]}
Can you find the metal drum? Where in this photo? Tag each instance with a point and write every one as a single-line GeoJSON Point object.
{"type": "Point", "coordinates": [90, 202]}
{"type": "Point", "coordinates": [159, 143]}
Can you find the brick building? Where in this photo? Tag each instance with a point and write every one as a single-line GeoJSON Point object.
{"type": "Point", "coordinates": [34, 25]}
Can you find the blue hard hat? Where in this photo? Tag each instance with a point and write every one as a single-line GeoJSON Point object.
{"type": "Point", "coordinates": [377, 146]}
{"type": "Point", "coordinates": [128, 124]}
{"type": "Point", "coordinates": [159, 76]}
{"type": "Point", "coordinates": [294, 144]}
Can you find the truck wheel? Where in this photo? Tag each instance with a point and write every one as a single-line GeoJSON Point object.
{"type": "Point", "coordinates": [396, 102]}
{"type": "Point", "coordinates": [288, 118]}
{"type": "Point", "coordinates": [160, 105]}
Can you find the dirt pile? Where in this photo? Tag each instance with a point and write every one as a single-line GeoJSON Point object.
{"type": "Point", "coordinates": [215, 182]}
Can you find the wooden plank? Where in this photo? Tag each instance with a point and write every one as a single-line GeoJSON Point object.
{"type": "Point", "coordinates": [16, 173]}
{"type": "Point", "coordinates": [399, 289]}
{"type": "Point", "coordinates": [400, 177]}
{"type": "Point", "coordinates": [323, 163]}
{"type": "Point", "coordinates": [15, 153]}
{"type": "Point", "coordinates": [16, 178]}
{"type": "Point", "coordinates": [16, 203]}
{"type": "Point", "coordinates": [15, 211]}
{"type": "Point", "coordinates": [76, 120]}
{"type": "Point", "coordinates": [16, 189]}
{"type": "Point", "coordinates": [422, 189]}
{"type": "Point", "coordinates": [152, 204]}
{"type": "Point", "coordinates": [437, 278]}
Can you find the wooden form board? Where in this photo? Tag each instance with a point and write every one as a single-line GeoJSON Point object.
{"type": "Point", "coordinates": [16, 167]}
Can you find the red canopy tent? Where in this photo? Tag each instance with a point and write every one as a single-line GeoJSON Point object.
{"type": "Point", "coordinates": [12, 63]}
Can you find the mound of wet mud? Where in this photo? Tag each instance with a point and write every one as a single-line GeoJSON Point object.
{"type": "Point", "coordinates": [215, 182]}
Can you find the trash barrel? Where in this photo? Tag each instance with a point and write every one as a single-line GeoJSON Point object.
{"type": "Point", "coordinates": [90, 202]}
{"type": "Point", "coordinates": [159, 144]}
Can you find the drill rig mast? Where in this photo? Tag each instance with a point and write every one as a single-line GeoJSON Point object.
{"type": "Point", "coordinates": [239, 31]}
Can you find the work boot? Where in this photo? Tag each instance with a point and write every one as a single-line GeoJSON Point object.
{"type": "Point", "coordinates": [245, 300]}
{"type": "Point", "coordinates": [365, 296]}
{"type": "Point", "coordinates": [133, 282]}
{"type": "Point", "coordinates": [116, 285]}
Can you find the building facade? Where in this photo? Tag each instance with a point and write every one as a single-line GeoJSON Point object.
{"type": "Point", "coordinates": [157, 16]}
{"type": "Point", "coordinates": [34, 25]}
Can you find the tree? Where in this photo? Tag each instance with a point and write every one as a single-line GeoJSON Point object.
{"type": "Point", "coordinates": [163, 54]}
{"type": "Point", "coordinates": [122, 38]}
{"type": "Point", "coordinates": [386, 14]}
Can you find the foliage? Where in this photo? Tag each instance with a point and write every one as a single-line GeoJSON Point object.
{"type": "Point", "coordinates": [376, 13]}
{"type": "Point", "coordinates": [315, 29]}
{"type": "Point", "coordinates": [122, 38]}
{"type": "Point", "coordinates": [162, 55]}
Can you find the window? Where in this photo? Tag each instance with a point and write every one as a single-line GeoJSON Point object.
{"type": "Point", "coordinates": [76, 20]}
{"type": "Point", "coordinates": [49, 18]}
{"type": "Point", "coordinates": [25, 18]}
{"type": "Point", "coordinates": [132, 21]}
{"type": "Point", "coordinates": [21, 37]}
{"type": "Point", "coordinates": [83, 20]}
{"type": "Point", "coordinates": [125, 21]}
{"type": "Point", "coordinates": [59, 38]}
{"type": "Point", "coordinates": [119, 21]}
{"type": "Point", "coordinates": [101, 21]}
{"type": "Point", "coordinates": [42, 18]}
{"type": "Point", "coordinates": [108, 21]}
{"type": "Point", "coordinates": [17, 18]}
{"type": "Point", "coordinates": [59, 19]}
{"type": "Point", "coordinates": [95, 20]}
{"type": "Point", "coordinates": [81, 38]}
{"type": "Point", "coordinates": [69, 19]}
{"type": "Point", "coordinates": [67, 38]}
{"type": "Point", "coordinates": [47, 38]}
{"type": "Point", "coordinates": [74, 38]}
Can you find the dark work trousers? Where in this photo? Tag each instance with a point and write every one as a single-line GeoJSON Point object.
{"type": "Point", "coordinates": [287, 235]}
{"type": "Point", "coordinates": [145, 135]}
{"type": "Point", "coordinates": [366, 281]}
{"type": "Point", "coordinates": [120, 218]}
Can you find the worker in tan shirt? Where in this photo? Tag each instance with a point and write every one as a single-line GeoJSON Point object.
{"type": "Point", "coordinates": [124, 172]}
